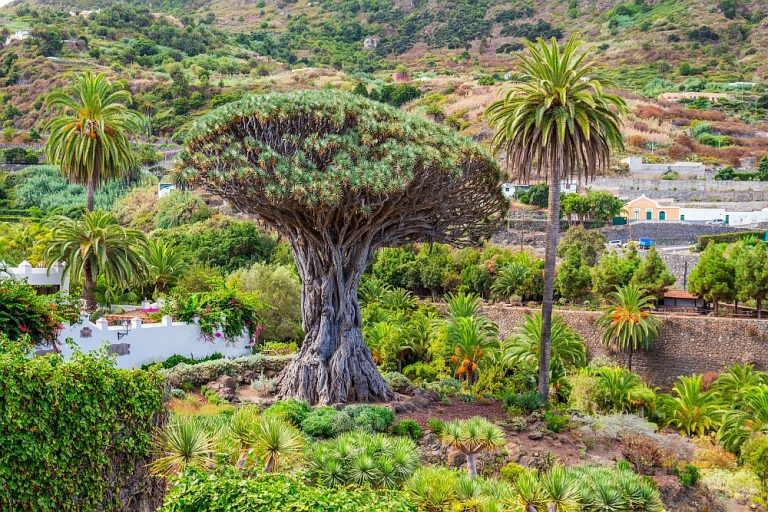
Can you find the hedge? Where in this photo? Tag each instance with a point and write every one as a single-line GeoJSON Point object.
{"type": "Point", "coordinates": [76, 435]}
{"type": "Point", "coordinates": [727, 238]}
{"type": "Point", "coordinates": [245, 368]}
{"type": "Point", "coordinates": [230, 491]}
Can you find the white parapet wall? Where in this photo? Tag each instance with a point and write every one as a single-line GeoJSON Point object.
{"type": "Point", "coordinates": [137, 343]}
{"type": "Point", "coordinates": [38, 276]}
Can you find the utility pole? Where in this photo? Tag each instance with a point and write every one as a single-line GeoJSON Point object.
{"type": "Point", "coordinates": [685, 275]}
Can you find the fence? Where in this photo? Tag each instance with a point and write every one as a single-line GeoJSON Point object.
{"type": "Point", "coordinates": [136, 343]}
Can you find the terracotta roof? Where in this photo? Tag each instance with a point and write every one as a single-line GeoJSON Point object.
{"type": "Point", "coordinates": [679, 294]}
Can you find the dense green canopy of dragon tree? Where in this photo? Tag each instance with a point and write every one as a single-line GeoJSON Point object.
{"type": "Point", "coordinates": [340, 176]}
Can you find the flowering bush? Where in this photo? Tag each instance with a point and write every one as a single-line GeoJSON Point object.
{"type": "Point", "coordinates": [26, 315]}
{"type": "Point", "coordinates": [222, 314]}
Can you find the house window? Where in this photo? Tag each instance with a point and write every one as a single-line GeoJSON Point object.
{"type": "Point", "coordinates": [648, 213]}
{"type": "Point", "coordinates": [662, 215]}
{"type": "Point", "coordinates": [637, 213]}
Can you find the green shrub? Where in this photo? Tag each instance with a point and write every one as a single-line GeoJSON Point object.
{"type": "Point", "coordinates": [435, 426]}
{"type": "Point", "coordinates": [370, 418]}
{"type": "Point", "coordinates": [231, 491]}
{"type": "Point", "coordinates": [178, 208]}
{"type": "Point", "coordinates": [408, 428]}
{"type": "Point", "coordinates": [363, 459]}
{"type": "Point", "coordinates": [178, 393]}
{"type": "Point", "coordinates": [196, 375]}
{"type": "Point", "coordinates": [754, 454]}
{"type": "Point", "coordinates": [278, 286]}
{"type": "Point", "coordinates": [292, 411]}
{"type": "Point", "coordinates": [178, 359]}
{"type": "Point", "coordinates": [555, 422]}
{"type": "Point", "coordinates": [529, 401]}
{"type": "Point", "coordinates": [326, 422]}
{"type": "Point", "coordinates": [688, 475]}
{"type": "Point", "coordinates": [511, 472]}
{"type": "Point", "coordinates": [727, 238]}
{"type": "Point", "coordinates": [72, 434]}
{"type": "Point", "coordinates": [421, 372]}
{"type": "Point", "coordinates": [397, 381]}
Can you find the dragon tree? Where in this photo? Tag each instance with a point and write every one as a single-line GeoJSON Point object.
{"type": "Point", "coordinates": [340, 176]}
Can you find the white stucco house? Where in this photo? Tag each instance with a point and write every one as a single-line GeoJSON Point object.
{"type": "Point", "coordinates": [509, 189]}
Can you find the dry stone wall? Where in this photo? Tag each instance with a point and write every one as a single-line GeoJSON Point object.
{"type": "Point", "coordinates": [687, 344]}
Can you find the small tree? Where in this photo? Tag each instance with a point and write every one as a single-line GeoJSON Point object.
{"type": "Point", "coordinates": [752, 274]}
{"type": "Point", "coordinates": [573, 278]}
{"type": "Point", "coordinates": [471, 437]}
{"type": "Point", "coordinates": [713, 278]}
{"type": "Point", "coordinates": [628, 324]}
{"type": "Point", "coordinates": [614, 271]}
{"type": "Point", "coordinates": [652, 275]}
{"type": "Point", "coordinates": [590, 244]}
{"type": "Point", "coordinates": [340, 176]}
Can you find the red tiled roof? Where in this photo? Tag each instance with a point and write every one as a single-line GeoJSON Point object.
{"type": "Point", "coordinates": [679, 294]}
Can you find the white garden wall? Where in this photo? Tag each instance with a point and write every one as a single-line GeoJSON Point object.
{"type": "Point", "coordinates": [146, 343]}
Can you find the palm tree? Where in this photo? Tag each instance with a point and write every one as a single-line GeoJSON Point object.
{"type": "Point", "coordinates": [471, 437]}
{"type": "Point", "coordinates": [692, 410]}
{"type": "Point", "coordinates": [96, 245]}
{"type": "Point", "coordinates": [558, 123]}
{"type": "Point", "coordinates": [568, 351]}
{"type": "Point", "coordinates": [750, 418]}
{"type": "Point", "coordinates": [472, 338]}
{"type": "Point", "coordinates": [164, 263]}
{"type": "Point", "coordinates": [88, 138]}
{"type": "Point", "coordinates": [628, 323]}
{"type": "Point", "coordinates": [507, 283]}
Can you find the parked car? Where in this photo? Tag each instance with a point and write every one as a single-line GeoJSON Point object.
{"type": "Point", "coordinates": [615, 243]}
{"type": "Point", "coordinates": [715, 222]}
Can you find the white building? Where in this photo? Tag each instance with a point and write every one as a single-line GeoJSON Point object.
{"type": "Point", "coordinates": [163, 189]}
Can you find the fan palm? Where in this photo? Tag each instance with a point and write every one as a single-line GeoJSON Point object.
{"type": "Point", "coordinates": [89, 136]}
{"type": "Point", "coordinates": [182, 443]}
{"type": "Point", "coordinates": [165, 263]}
{"type": "Point", "coordinates": [558, 123]}
{"type": "Point", "coordinates": [96, 245]}
{"type": "Point", "coordinates": [471, 437]}
{"type": "Point", "coordinates": [628, 323]}
{"type": "Point", "coordinates": [568, 351]}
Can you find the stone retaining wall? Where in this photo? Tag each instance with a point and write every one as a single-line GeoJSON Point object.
{"type": "Point", "coordinates": [688, 344]}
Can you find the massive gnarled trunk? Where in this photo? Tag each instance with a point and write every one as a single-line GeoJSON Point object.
{"type": "Point", "coordinates": [334, 364]}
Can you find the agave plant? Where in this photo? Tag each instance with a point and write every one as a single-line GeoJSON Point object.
{"type": "Point", "coordinates": [471, 437]}
{"type": "Point", "coordinates": [750, 418]}
{"type": "Point", "coordinates": [182, 443]}
{"type": "Point", "coordinates": [692, 410]}
{"type": "Point", "coordinates": [628, 324]}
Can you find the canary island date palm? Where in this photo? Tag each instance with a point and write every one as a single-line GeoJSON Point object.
{"type": "Point", "coordinates": [557, 124]}
{"type": "Point", "coordinates": [471, 437]}
{"type": "Point", "coordinates": [96, 245]}
{"type": "Point", "coordinates": [629, 323]}
{"type": "Point", "coordinates": [89, 135]}
{"type": "Point", "coordinates": [340, 176]}
{"type": "Point", "coordinates": [165, 264]}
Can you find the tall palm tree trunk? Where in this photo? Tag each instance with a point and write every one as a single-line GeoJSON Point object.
{"type": "Point", "coordinates": [89, 287]}
{"type": "Point", "coordinates": [90, 191]}
{"type": "Point", "coordinates": [553, 232]}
